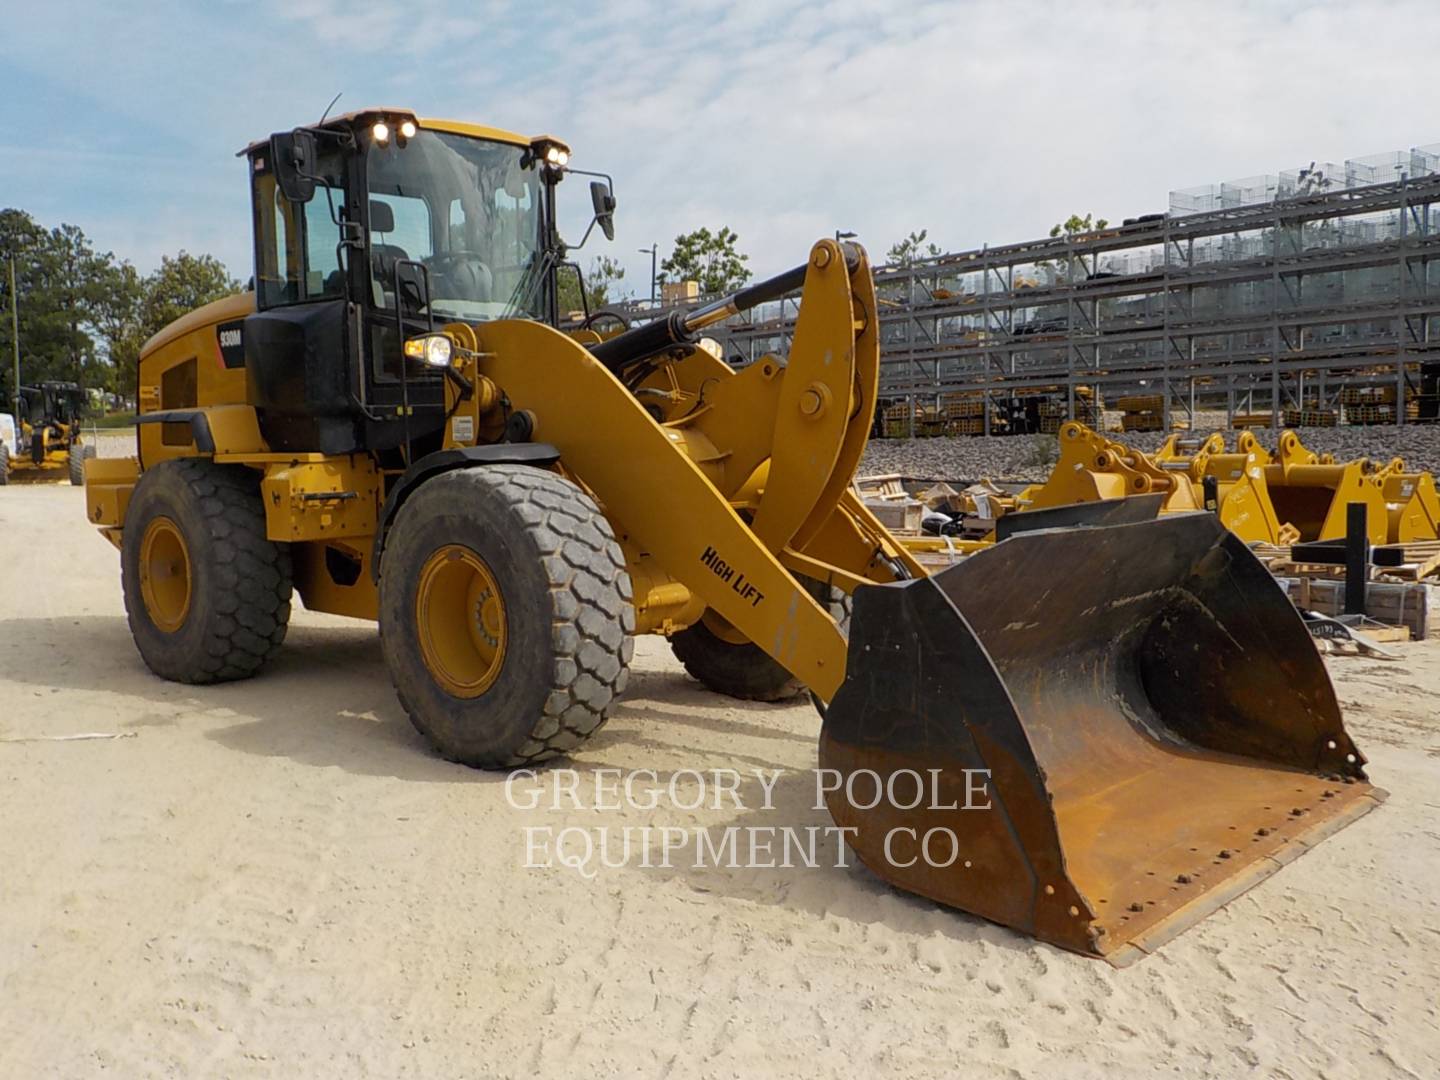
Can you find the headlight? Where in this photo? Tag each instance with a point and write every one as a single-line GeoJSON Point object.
{"type": "Point", "coordinates": [432, 349]}
{"type": "Point", "coordinates": [407, 129]}
{"type": "Point", "coordinates": [380, 132]}
{"type": "Point", "coordinates": [556, 156]}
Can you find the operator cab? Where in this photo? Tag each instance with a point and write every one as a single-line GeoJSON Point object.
{"type": "Point", "coordinates": [373, 228]}
{"type": "Point", "coordinates": [50, 404]}
{"type": "Point", "coordinates": [64, 402]}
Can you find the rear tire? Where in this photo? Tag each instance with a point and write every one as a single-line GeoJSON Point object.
{"type": "Point", "coordinates": [206, 592]}
{"type": "Point", "coordinates": [742, 669]}
{"type": "Point", "coordinates": [78, 456]}
{"type": "Point", "coordinates": [505, 615]}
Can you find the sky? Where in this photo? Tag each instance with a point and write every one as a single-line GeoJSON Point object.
{"type": "Point", "coordinates": [980, 121]}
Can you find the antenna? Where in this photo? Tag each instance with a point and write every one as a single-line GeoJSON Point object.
{"type": "Point", "coordinates": [329, 107]}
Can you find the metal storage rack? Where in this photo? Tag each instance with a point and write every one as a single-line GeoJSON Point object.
{"type": "Point", "coordinates": [1313, 293]}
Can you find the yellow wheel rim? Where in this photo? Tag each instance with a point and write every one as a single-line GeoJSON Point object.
{"type": "Point", "coordinates": [165, 574]}
{"type": "Point", "coordinates": [460, 617]}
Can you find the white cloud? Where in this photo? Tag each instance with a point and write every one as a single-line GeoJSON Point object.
{"type": "Point", "coordinates": [982, 121]}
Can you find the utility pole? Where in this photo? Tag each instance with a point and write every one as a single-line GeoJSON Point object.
{"type": "Point", "coordinates": [15, 344]}
{"type": "Point", "coordinates": [654, 252]}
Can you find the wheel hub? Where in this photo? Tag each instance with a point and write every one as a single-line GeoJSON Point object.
{"type": "Point", "coordinates": [461, 621]}
{"type": "Point", "coordinates": [165, 574]}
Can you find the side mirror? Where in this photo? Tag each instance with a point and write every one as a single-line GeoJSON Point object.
{"type": "Point", "coordinates": [292, 155]}
{"type": "Point", "coordinates": [604, 203]}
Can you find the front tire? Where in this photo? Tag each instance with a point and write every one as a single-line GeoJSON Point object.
{"type": "Point", "coordinates": [714, 655]}
{"type": "Point", "coordinates": [78, 456]}
{"type": "Point", "coordinates": [505, 615]}
{"type": "Point", "coordinates": [206, 592]}
{"type": "Point", "coordinates": [4, 463]}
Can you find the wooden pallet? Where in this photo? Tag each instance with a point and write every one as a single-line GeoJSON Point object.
{"type": "Point", "coordinates": [1321, 572]}
{"type": "Point", "coordinates": [1386, 634]}
{"type": "Point", "coordinates": [1420, 560]}
{"type": "Point", "coordinates": [1400, 604]}
{"type": "Point", "coordinates": [881, 486]}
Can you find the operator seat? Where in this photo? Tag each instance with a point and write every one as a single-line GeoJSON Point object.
{"type": "Point", "coordinates": [472, 280]}
{"type": "Point", "coordinates": [383, 256]}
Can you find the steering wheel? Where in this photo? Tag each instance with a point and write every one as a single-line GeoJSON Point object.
{"type": "Point", "coordinates": [465, 274]}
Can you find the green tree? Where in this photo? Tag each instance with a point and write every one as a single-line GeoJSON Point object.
{"type": "Point", "coordinates": [84, 315]}
{"type": "Point", "coordinates": [604, 272]}
{"type": "Point", "coordinates": [709, 258]}
{"type": "Point", "coordinates": [24, 241]}
{"type": "Point", "coordinates": [80, 279]}
{"type": "Point", "coordinates": [909, 251]}
{"type": "Point", "coordinates": [60, 285]}
{"type": "Point", "coordinates": [136, 308]}
{"type": "Point", "coordinates": [1075, 224]}
{"type": "Point", "coordinates": [182, 284]}
{"type": "Point", "coordinates": [119, 328]}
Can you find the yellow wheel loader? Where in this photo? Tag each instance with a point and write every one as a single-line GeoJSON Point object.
{"type": "Point", "coordinates": [48, 445]}
{"type": "Point", "coordinates": [391, 425]}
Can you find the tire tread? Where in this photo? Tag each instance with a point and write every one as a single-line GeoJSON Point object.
{"type": "Point", "coordinates": [591, 611]}
{"type": "Point", "coordinates": [250, 575]}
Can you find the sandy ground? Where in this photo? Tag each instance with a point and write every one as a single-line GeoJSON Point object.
{"type": "Point", "coordinates": [277, 879]}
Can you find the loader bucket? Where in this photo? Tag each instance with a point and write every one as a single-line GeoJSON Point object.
{"type": "Point", "coordinates": [1105, 512]}
{"type": "Point", "coordinates": [1147, 727]}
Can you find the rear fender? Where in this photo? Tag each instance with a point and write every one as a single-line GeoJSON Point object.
{"type": "Point", "coordinates": [541, 455]}
{"type": "Point", "coordinates": [109, 483]}
{"type": "Point", "coordinates": [215, 429]}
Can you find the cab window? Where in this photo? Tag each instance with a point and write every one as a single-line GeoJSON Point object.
{"type": "Point", "coordinates": [297, 255]}
{"type": "Point", "coordinates": [323, 274]}
{"type": "Point", "coordinates": [468, 210]}
{"type": "Point", "coordinates": [400, 230]}
{"type": "Point", "coordinates": [276, 262]}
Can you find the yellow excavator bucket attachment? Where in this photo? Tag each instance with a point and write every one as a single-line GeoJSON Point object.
{"type": "Point", "coordinates": [1094, 735]}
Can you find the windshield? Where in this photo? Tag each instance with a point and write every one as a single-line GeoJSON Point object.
{"type": "Point", "coordinates": [465, 209]}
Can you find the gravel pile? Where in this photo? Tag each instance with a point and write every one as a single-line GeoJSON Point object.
{"type": "Point", "coordinates": [964, 459]}
{"type": "Point", "coordinates": [1024, 458]}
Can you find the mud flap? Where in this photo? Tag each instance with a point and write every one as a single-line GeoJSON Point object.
{"type": "Point", "coordinates": [1096, 736]}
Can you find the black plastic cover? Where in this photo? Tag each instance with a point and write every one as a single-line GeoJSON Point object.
{"type": "Point", "coordinates": [298, 377]}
